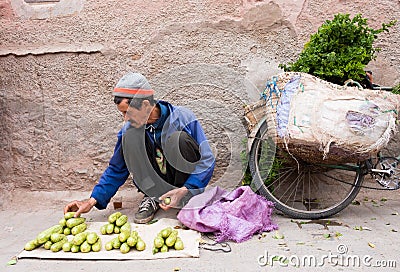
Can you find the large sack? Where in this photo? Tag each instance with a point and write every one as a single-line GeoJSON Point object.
{"type": "Point", "coordinates": [236, 215]}
{"type": "Point", "coordinates": [318, 121]}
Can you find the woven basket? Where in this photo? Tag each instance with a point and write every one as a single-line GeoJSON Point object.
{"type": "Point", "coordinates": [307, 151]}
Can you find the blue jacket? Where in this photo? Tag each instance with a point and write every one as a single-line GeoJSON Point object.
{"type": "Point", "coordinates": [174, 119]}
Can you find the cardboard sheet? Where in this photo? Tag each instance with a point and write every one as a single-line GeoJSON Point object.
{"type": "Point", "coordinates": [190, 238]}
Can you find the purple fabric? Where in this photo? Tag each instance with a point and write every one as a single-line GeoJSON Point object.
{"type": "Point", "coordinates": [235, 215]}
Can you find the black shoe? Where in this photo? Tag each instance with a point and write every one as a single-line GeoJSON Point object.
{"type": "Point", "coordinates": [147, 208]}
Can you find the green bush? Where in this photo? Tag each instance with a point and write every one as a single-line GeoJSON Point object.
{"type": "Point", "coordinates": [339, 50]}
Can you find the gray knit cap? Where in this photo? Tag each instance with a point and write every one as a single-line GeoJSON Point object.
{"type": "Point", "coordinates": [133, 85]}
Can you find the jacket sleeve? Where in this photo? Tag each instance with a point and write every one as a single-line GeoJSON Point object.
{"type": "Point", "coordinates": [204, 169]}
{"type": "Point", "coordinates": [113, 177]}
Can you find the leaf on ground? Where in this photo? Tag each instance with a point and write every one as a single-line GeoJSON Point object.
{"type": "Point", "coordinates": [356, 202]}
{"type": "Point", "coordinates": [327, 235]}
{"type": "Point", "coordinates": [358, 228]}
{"type": "Point", "coordinates": [277, 235]}
{"type": "Point", "coordinates": [152, 221]}
{"type": "Point", "coordinates": [371, 245]}
{"type": "Point", "coordinates": [12, 261]}
{"type": "Point", "coordinates": [383, 199]}
{"type": "Point", "coordinates": [338, 234]}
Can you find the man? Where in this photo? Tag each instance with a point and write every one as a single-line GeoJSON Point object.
{"type": "Point", "coordinates": [163, 146]}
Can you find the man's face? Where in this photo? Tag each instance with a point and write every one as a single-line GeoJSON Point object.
{"type": "Point", "coordinates": [123, 108]}
{"type": "Point", "coordinates": [137, 117]}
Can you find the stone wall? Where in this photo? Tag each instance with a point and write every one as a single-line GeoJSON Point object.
{"type": "Point", "coordinates": [58, 122]}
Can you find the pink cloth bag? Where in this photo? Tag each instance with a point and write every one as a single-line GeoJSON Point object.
{"type": "Point", "coordinates": [235, 215]}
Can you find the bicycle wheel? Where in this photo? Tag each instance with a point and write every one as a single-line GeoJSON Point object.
{"type": "Point", "coordinates": [297, 188]}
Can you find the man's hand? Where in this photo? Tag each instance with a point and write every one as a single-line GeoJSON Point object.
{"type": "Point", "coordinates": [175, 197]}
{"type": "Point", "coordinates": [80, 207]}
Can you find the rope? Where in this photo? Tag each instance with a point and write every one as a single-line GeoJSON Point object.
{"type": "Point", "coordinates": [215, 246]}
{"type": "Point", "coordinates": [272, 88]}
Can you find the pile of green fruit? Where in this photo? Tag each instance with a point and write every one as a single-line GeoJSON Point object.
{"type": "Point", "coordinates": [54, 237]}
{"type": "Point", "coordinates": [83, 242]}
{"type": "Point", "coordinates": [117, 222]}
{"type": "Point", "coordinates": [166, 239]}
{"type": "Point", "coordinates": [72, 225]}
{"type": "Point", "coordinates": [125, 241]}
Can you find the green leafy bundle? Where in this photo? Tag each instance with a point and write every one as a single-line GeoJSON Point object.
{"type": "Point", "coordinates": [339, 50]}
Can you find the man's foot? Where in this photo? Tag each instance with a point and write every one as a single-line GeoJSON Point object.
{"type": "Point", "coordinates": [147, 208]}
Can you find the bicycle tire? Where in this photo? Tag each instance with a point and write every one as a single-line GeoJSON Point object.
{"type": "Point", "coordinates": [281, 177]}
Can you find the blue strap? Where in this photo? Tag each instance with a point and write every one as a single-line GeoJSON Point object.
{"type": "Point", "coordinates": [271, 88]}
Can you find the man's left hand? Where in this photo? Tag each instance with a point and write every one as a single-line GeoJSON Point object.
{"type": "Point", "coordinates": [175, 197]}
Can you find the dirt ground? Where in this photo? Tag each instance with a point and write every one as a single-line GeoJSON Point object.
{"type": "Point", "coordinates": [369, 232]}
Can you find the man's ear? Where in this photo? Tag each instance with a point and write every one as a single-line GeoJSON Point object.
{"type": "Point", "coordinates": [145, 103]}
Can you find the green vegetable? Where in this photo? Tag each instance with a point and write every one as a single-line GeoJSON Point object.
{"type": "Point", "coordinates": [124, 248]}
{"type": "Point", "coordinates": [58, 246]}
{"type": "Point", "coordinates": [109, 245]}
{"type": "Point", "coordinates": [75, 248]}
{"type": "Point", "coordinates": [117, 229]}
{"type": "Point", "coordinates": [72, 222]}
{"type": "Point", "coordinates": [123, 236]}
{"type": "Point", "coordinates": [121, 220]}
{"type": "Point", "coordinates": [131, 241]}
{"type": "Point", "coordinates": [167, 200]}
{"type": "Point", "coordinates": [158, 242]}
{"type": "Point", "coordinates": [126, 227]}
{"type": "Point", "coordinates": [79, 238]}
{"type": "Point", "coordinates": [78, 229]}
{"type": "Point", "coordinates": [170, 241]}
{"type": "Point", "coordinates": [179, 244]}
{"type": "Point", "coordinates": [92, 237]}
{"type": "Point", "coordinates": [339, 50]}
{"type": "Point", "coordinates": [166, 232]}
{"type": "Point", "coordinates": [47, 245]}
{"type": "Point", "coordinates": [66, 247]}
{"type": "Point", "coordinates": [63, 222]}
{"type": "Point", "coordinates": [140, 245]}
{"type": "Point", "coordinates": [110, 228]}
{"type": "Point", "coordinates": [31, 245]}
{"type": "Point", "coordinates": [85, 247]}
{"type": "Point", "coordinates": [155, 250]}
{"type": "Point", "coordinates": [69, 215]}
{"type": "Point", "coordinates": [55, 237]}
{"type": "Point", "coordinates": [113, 217]}
{"type": "Point", "coordinates": [103, 229]}
{"type": "Point", "coordinates": [96, 247]}
{"type": "Point", "coordinates": [44, 236]}
{"type": "Point", "coordinates": [164, 248]}
{"type": "Point", "coordinates": [116, 243]}
{"type": "Point", "coordinates": [67, 231]}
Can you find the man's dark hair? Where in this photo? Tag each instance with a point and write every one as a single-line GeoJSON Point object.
{"type": "Point", "coordinates": [135, 102]}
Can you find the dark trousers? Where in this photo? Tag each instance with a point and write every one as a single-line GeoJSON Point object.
{"type": "Point", "coordinates": [180, 150]}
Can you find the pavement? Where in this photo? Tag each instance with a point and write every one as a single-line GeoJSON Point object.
{"type": "Point", "coordinates": [363, 237]}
